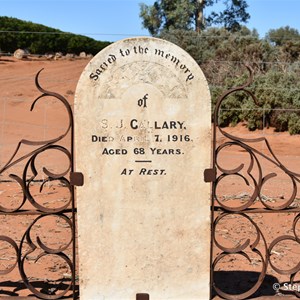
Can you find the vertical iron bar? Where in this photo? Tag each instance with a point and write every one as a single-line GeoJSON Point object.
{"type": "Point", "coordinates": [73, 209]}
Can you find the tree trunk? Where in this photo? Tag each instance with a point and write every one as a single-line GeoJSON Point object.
{"type": "Point", "coordinates": [199, 15]}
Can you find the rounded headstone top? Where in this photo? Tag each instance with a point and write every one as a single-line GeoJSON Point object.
{"type": "Point", "coordinates": [143, 60]}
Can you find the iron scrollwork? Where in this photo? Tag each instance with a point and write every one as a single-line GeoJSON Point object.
{"type": "Point", "coordinates": [30, 242]}
{"type": "Point", "coordinates": [66, 212]}
{"type": "Point", "coordinates": [249, 174]}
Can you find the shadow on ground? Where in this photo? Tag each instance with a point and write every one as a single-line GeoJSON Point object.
{"type": "Point", "coordinates": [239, 282]}
{"type": "Point", "coordinates": [10, 288]}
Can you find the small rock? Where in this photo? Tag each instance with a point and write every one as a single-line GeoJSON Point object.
{"type": "Point", "coordinates": [70, 55]}
{"type": "Point", "coordinates": [58, 55]}
{"type": "Point", "coordinates": [82, 55]}
{"type": "Point", "coordinates": [20, 54]}
{"type": "Point", "coordinates": [49, 55]}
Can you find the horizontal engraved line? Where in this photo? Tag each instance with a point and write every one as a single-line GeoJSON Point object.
{"type": "Point", "coordinates": [143, 161]}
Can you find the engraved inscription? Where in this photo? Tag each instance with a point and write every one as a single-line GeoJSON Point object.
{"type": "Point", "coordinates": [142, 141]}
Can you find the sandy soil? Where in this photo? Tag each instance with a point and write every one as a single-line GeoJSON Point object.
{"type": "Point", "coordinates": [48, 120]}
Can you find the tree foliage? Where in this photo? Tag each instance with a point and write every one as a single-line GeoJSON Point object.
{"type": "Point", "coordinates": [186, 14]}
{"type": "Point", "coordinates": [39, 39]}
{"type": "Point", "coordinates": [275, 60]}
{"type": "Point", "coordinates": [221, 54]}
{"type": "Point", "coordinates": [231, 17]}
{"type": "Point", "coordinates": [282, 35]}
{"type": "Point", "coordinates": [288, 41]}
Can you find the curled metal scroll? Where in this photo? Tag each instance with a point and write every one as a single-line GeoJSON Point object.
{"type": "Point", "coordinates": [43, 144]}
{"type": "Point", "coordinates": [14, 245]}
{"type": "Point", "coordinates": [240, 250]}
{"type": "Point", "coordinates": [292, 272]}
{"type": "Point", "coordinates": [31, 156]}
{"type": "Point", "coordinates": [66, 211]}
{"type": "Point", "coordinates": [247, 145]}
{"type": "Point", "coordinates": [245, 173]}
{"type": "Point", "coordinates": [46, 251]}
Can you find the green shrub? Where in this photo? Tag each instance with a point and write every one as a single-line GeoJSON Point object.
{"type": "Point", "coordinates": [294, 124]}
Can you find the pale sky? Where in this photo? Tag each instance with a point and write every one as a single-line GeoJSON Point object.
{"type": "Point", "coordinates": [113, 20]}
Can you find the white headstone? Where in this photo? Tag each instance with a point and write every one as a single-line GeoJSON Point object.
{"type": "Point", "coordinates": [143, 140]}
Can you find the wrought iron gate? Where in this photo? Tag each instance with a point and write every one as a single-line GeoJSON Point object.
{"type": "Point", "coordinates": [32, 244]}
{"type": "Point", "coordinates": [242, 211]}
{"type": "Point", "coordinates": [242, 221]}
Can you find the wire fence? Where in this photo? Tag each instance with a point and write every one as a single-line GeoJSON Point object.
{"type": "Point", "coordinates": [200, 35]}
{"type": "Point", "coordinates": [8, 100]}
{"type": "Point", "coordinates": [226, 62]}
{"type": "Point", "coordinates": [13, 127]}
